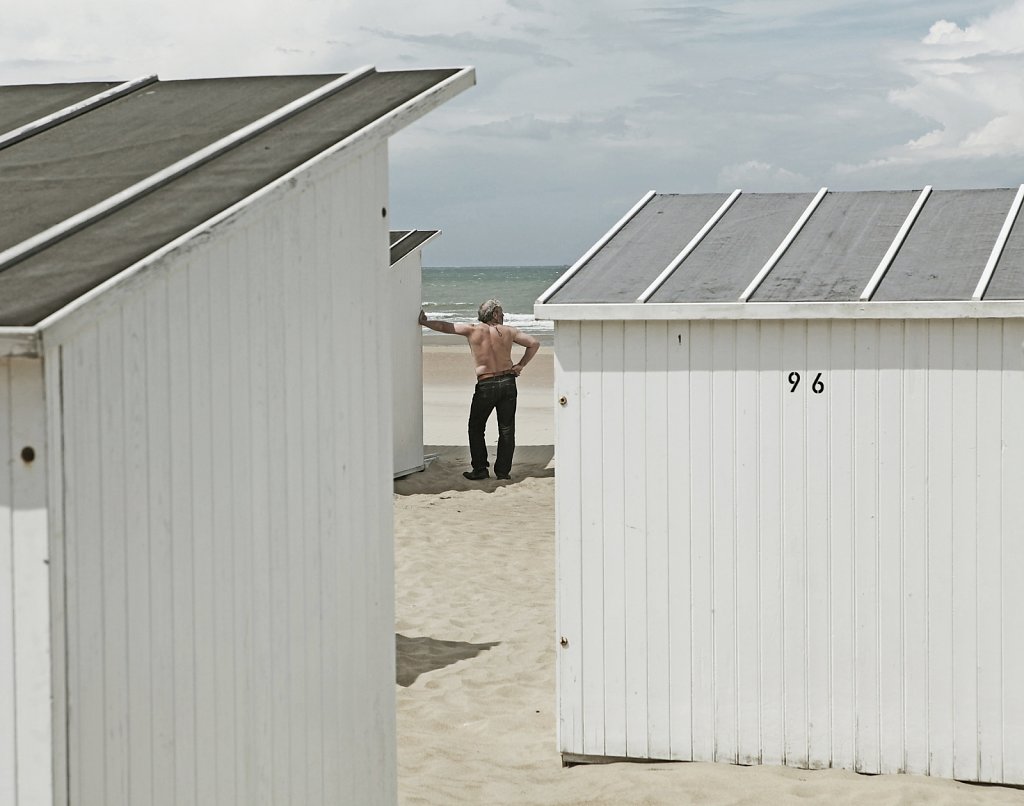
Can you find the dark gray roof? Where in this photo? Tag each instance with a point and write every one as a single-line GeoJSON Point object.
{"type": "Point", "coordinates": [405, 241]}
{"type": "Point", "coordinates": [62, 171]}
{"type": "Point", "coordinates": [831, 259]}
{"type": "Point", "coordinates": [25, 103]}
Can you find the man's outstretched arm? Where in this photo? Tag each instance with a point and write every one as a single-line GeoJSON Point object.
{"type": "Point", "coordinates": [456, 328]}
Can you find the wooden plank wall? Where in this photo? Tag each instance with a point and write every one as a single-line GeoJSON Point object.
{"type": "Point", "coordinates": [755, 569]}
{"type": "Point", "coordinates": [229, 567]}
{"type": "Point", "coordinates": [404, 299]}
{"type": "Point", "coordinates": [25, 712]}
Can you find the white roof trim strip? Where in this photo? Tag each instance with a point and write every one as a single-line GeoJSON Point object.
{"type": "Point", "coordinates": [685, 311]}
{"type": "Point", "coordinates": [1000, 244]}
{"type": "Point", "coordinates": [73, 111]}
{"type": "Point", "coordinates": [777, 255]}
{"type": "Point", "coordinates": [693, 244]}
{"type": "Point", "coordinates": [579, 264]}
{"type": "Point", "coordinates": [97, 211]}
{"type": "Point", "coordinates": [380, 129]}
{"type": "Point", "coordinates": [894, 247]}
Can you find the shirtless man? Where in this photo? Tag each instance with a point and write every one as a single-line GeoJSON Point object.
{"type": "Point", "coordinates": [491, 343]}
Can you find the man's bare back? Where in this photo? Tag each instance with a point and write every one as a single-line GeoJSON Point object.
{"type": "Point", "coordinates": [490, 342]}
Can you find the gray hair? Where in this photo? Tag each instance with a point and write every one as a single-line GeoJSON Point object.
{"type": "Point", "coordinates": [487, 309]}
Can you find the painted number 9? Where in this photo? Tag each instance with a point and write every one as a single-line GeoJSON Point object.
{"type": "Point", "coordinates": [817, 385]}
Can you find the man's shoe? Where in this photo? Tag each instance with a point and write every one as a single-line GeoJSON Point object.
{"type": "Point", "coordinates": [506, 477]}
{"type": "Point", "coordinates": [476, 475]}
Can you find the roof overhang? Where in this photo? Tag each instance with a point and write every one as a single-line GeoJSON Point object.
{"type": "Point", "coordinates": [653, 311]}
{"type": "Point", "coordinates": [19, 342]}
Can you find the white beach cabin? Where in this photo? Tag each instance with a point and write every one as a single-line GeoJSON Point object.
{"type": "Point", "coordinates": [790, 498]}
{"type": "Point", "coordinates": [405, 290]}
{"type": "Point", "coordinates": [196, 570]}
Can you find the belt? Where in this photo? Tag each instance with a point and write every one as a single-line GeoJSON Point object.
{"type": "Point", "coordinates": [496, 376]}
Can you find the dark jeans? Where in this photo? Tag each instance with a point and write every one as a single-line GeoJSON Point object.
{"type": "Point", "coordinates": [490, 394]}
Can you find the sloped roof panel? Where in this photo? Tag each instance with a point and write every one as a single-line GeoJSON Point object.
{"type": "Point", "coordinates": [41, 284]}
{"type": "Point", "coordinates": [410, 241]}
{"type": "Point", "coordinates": [729, 256]}
{"type": "Point", "coordinates": [947, 248]}
{"type": "Point", "coordinates": [641, 250]}
{"type": "Point", "coordinates": [838, 249]}
{"type": "Point", "coordinates": [23, 104]}
{"type": "Point", "coordinates": [70, 167]}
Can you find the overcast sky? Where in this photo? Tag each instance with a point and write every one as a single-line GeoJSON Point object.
{"type": "Point", "coordinates": [582, 106]}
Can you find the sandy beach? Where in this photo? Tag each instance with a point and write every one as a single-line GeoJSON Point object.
{"type": "Point", "coordinates": [475, 624]}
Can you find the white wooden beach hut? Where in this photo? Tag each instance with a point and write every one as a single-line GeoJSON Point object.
{"type": "Point", "coordinates": [790, 471]}
{"type": "Point", "coordinates": [196, 571]}
{"type": "Point", "coordinates": [405, 288]}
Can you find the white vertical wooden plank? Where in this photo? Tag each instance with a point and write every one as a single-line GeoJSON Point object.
{"type": "Point", "coordinates": [53, 372]}
{"type": "Point", "coordinates": [614, 544]}
{"type": "Point", "coordinates": [941, 503]}
{"type": "Point", "coordinates": [915, 545]}
{"type": "Point", "coordinates": [379, 708]}
{"type": "Point", "coordinates": [723, 538]}
{"type": "Point", "coordinates": [818, 500]}
{"type": "Point", "coordinates": [137, 551]}
{"type": "Point", "coordinates": [83, 473]}
{"type": "Point", "coordinates": [965, 560]}
{"type": "Point", "coordinates": [276, 324]}
{"type": "Point", "coordinates": [1013, 551]}
{"type": "Point", "coordinates": [384, 750]}
{"type": "Point", "coordinates": [306, 276]}
{"type": "Point", "coordinates": [8, 712]}
{"type": "Point", "coordinates": [772, 389]}
{"type": "Point", "coordinates": [31, 588]}
{"type": "Point", "coordinates": [259, 592]}
{"type": "Point", "coordinates": [794, 540]}
{"type": "Point", "coordinates": [842, 507]}
{"type": "Point", "coordinates": [748, 548]}
{"type": "Point", "coordinates": [635, 485]}
{"type": "Point", "coordinates": [866, 481]}
{"type": "Point", "coordinates": [298, 534]}
{"type": "Point", "coordinates": [990, 544]}
{"type": "Point", "coordinates": [569, 556]}
{"type": "Point", "coordinates": [52, 369]}
{"type": "Point", "coordinates": [204, 569]}
{"type": "Point", "coordinates": [679, 541]}
{"type": "Point", "coordinates": [222, 468]}
{"type": "Point", "coordinates": [337, 775]}
{"type": "Point", "coordinates": [114, 554]}
{"type": "Point", "coordinates": [890, 545]}
{"type": "Point", "coordinates": [181, 549]}
{"type": "Point", "coordinates": [594, 597]}
{"type": "Point", "coordinates": [658, 471]}
{"type": "Point", "coordinates": [242, 519]}
{"type": "Point", "coordinates": [701, 369]}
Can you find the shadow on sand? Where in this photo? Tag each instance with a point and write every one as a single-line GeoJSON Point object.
{"type": "Point", "coordinates": [445, 472]}
{"type": "Point", "coordinates": [416, 656]}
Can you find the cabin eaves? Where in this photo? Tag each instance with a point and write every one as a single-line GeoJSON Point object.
{"type": "Point", "coordinates": [867, 254]}
{"type": "Point", "coordinates": [141, 172]}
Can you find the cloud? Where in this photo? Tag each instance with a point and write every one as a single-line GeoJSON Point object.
{"type": "Point", "coordinates": [967, 81]}
{"type": "Point", "coordinates": [577, 128]}
{"type": "Point", "coordinates": [762, 176]}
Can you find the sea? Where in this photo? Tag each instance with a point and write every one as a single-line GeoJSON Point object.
{"type": "Point", "coordinates": [454, 293]}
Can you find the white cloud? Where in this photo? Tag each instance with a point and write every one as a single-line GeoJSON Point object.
{"type": "Point", "coordinates": [969, 81]}
{"type": "Point", "coordinates": [755, 175]}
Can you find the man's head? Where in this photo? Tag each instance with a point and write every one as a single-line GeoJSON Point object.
{"type": "Point", "coordinates": [490, 311]}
